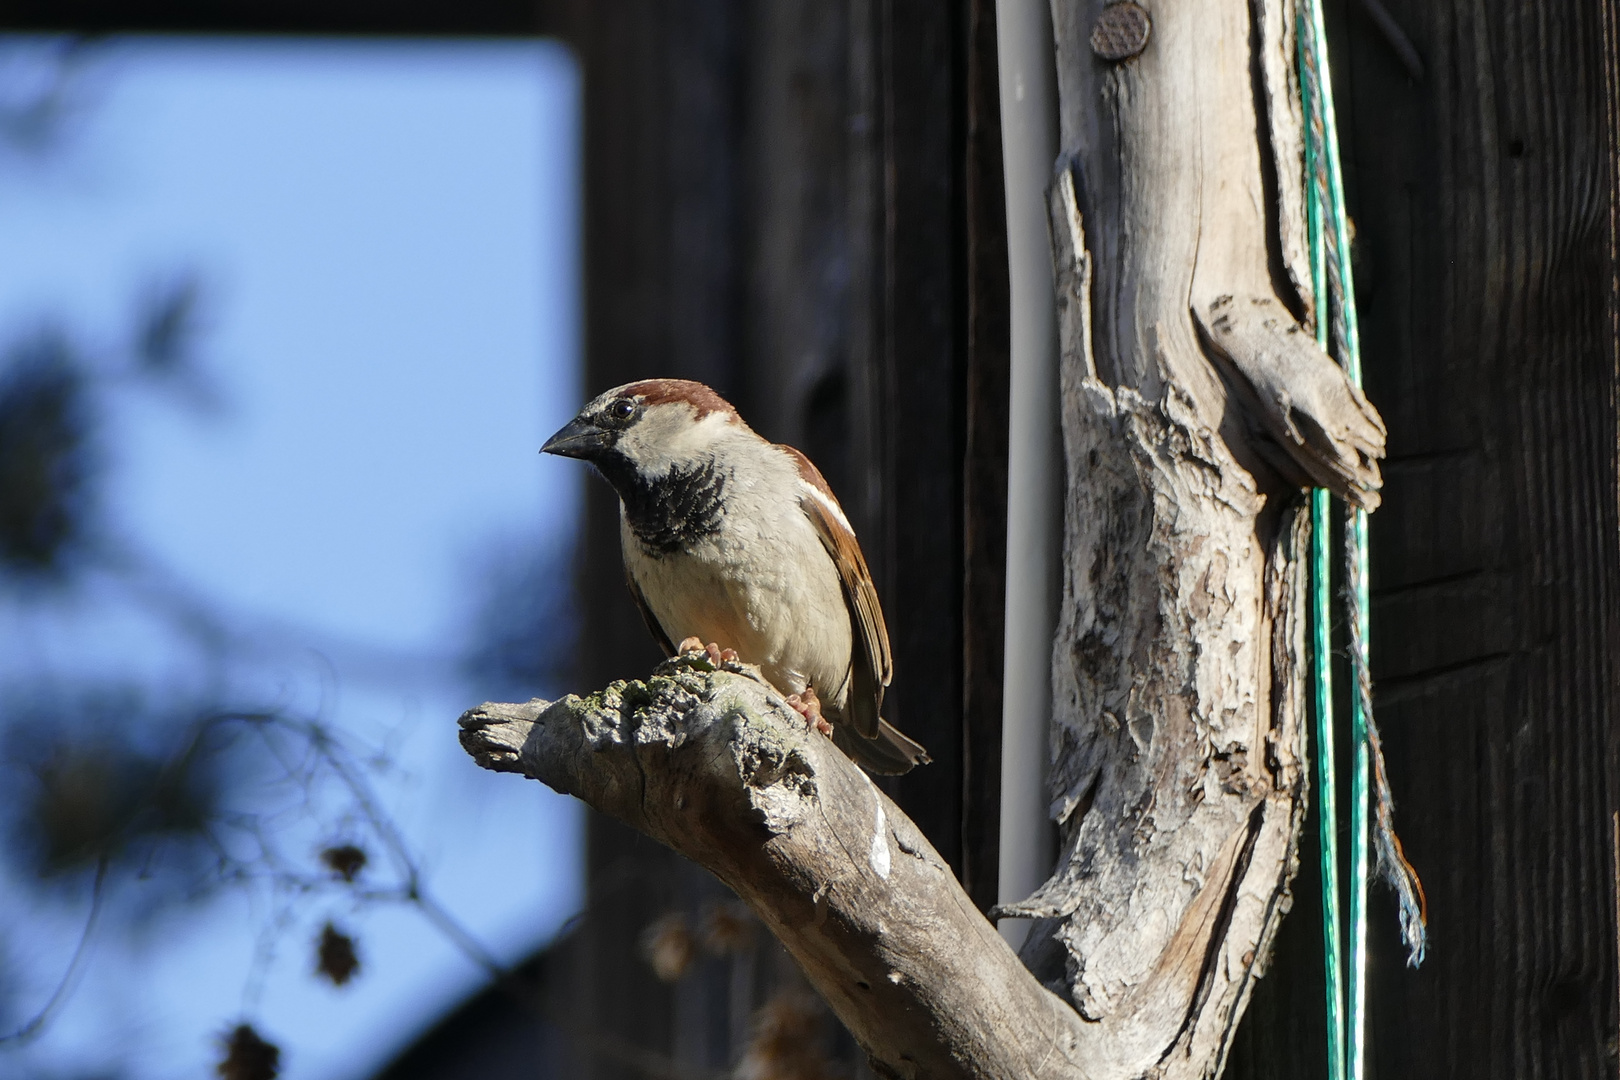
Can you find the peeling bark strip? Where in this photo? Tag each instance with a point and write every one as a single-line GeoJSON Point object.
{"type": "Point", "coordinates": [713, 764]}
{"type": "Point", "coordinates": [1314, 426]}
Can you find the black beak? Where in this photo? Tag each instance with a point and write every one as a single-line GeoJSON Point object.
{"type": "Point", "coordinates": [579, 439]}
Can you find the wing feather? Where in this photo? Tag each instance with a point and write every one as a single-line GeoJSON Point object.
{"type": "Point", "coordinates": [871, 665]}
{"type": "Point", "coordinates": [647, 616]}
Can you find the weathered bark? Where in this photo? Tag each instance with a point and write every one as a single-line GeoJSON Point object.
{"type": "Point", "coordinates": [1178, 772]}
{"type": "Point", "coordinates": [1194, 409]}
{"type": "Point", "coordinates": [713, 764]}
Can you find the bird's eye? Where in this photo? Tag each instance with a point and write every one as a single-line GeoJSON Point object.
{"type": "Point", "coordinates": [622, 409]}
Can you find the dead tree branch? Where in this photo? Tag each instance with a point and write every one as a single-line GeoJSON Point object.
{"type": "Point", "coordinates": [713, 764]}
{"type": "Point", "coordinates": [1195, 409]}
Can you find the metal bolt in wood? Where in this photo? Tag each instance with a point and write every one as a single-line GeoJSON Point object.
{"type": "Point", "coordinates": [1121, 31]}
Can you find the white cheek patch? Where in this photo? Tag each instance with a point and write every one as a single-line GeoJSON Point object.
{"type": "Point", "coordinates": [666, 436]}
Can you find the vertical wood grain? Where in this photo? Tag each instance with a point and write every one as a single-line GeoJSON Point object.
{"type": "Point", "coordinates": [1483, 200]}
{"type": "Point", "coordinates": [1484, 259]}
{"type": "Point", "coordinates": [920, 401]}
{"type": "Point", "coordinates": [984, 478]}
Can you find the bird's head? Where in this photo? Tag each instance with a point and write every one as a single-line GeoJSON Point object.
{"type": "Point", "coordinates": [644, 429]}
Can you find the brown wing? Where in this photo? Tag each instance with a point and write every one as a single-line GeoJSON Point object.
{"type": "Point", "coordinates": [871, 666]}
{"type": "Point", "coordinates": [648, 617]}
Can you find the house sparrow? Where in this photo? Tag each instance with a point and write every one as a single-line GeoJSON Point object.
{"type": "Point", "coordinates": [731, 539]}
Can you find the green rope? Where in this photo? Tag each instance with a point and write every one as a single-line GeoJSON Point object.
{"type": "Point", "coordinates": [1322, 635]}
{"type": "Point", "coordinates": [1327, 802]}
{"type": "Point", "coordinates": [1334, 289]}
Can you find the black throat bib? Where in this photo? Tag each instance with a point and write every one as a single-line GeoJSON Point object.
{"type": "Point", "coordinates": [673, 512]}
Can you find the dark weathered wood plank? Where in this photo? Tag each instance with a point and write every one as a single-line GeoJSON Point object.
{"type": "Point", "coordinates": [1490, 289]}
{"type": "Point", "coordinates": [773, 206]}
{"type": "Point", "coordinates": [1481, 197]}
{"type": "Point", "coordinates": [920, 399]}
{"type": "Point", "coordinates": [662, 186]}
{"type": "Point", "coordinates": [984, 471]}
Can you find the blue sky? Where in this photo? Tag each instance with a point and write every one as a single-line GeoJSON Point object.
{"type": "Point", "coordinates": [387, 234]}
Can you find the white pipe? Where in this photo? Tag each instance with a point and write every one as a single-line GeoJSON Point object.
{"type": "Point", "coordinates": [1026, 58]}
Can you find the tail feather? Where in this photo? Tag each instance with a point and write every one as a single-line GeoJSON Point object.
{"type": "Point", "coordinates": [889, 754]}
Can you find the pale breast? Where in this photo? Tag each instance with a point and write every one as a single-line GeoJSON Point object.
{"type": "Point", "coordinates": [760, 583]}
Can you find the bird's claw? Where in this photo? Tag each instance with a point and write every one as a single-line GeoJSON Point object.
{"type": "Point", "coordinates": [716, 656]}
{"type": "Point", "coordinates": [808, 705]}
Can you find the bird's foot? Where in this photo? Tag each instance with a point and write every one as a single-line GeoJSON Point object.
{"type": "Point", "coordinates": [717, 656]}
{"type": "Point", "coordinates": [808, 705]}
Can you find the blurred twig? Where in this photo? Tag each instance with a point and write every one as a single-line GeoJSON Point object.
{"type": "Point", "coordinates": [37, 1022]}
